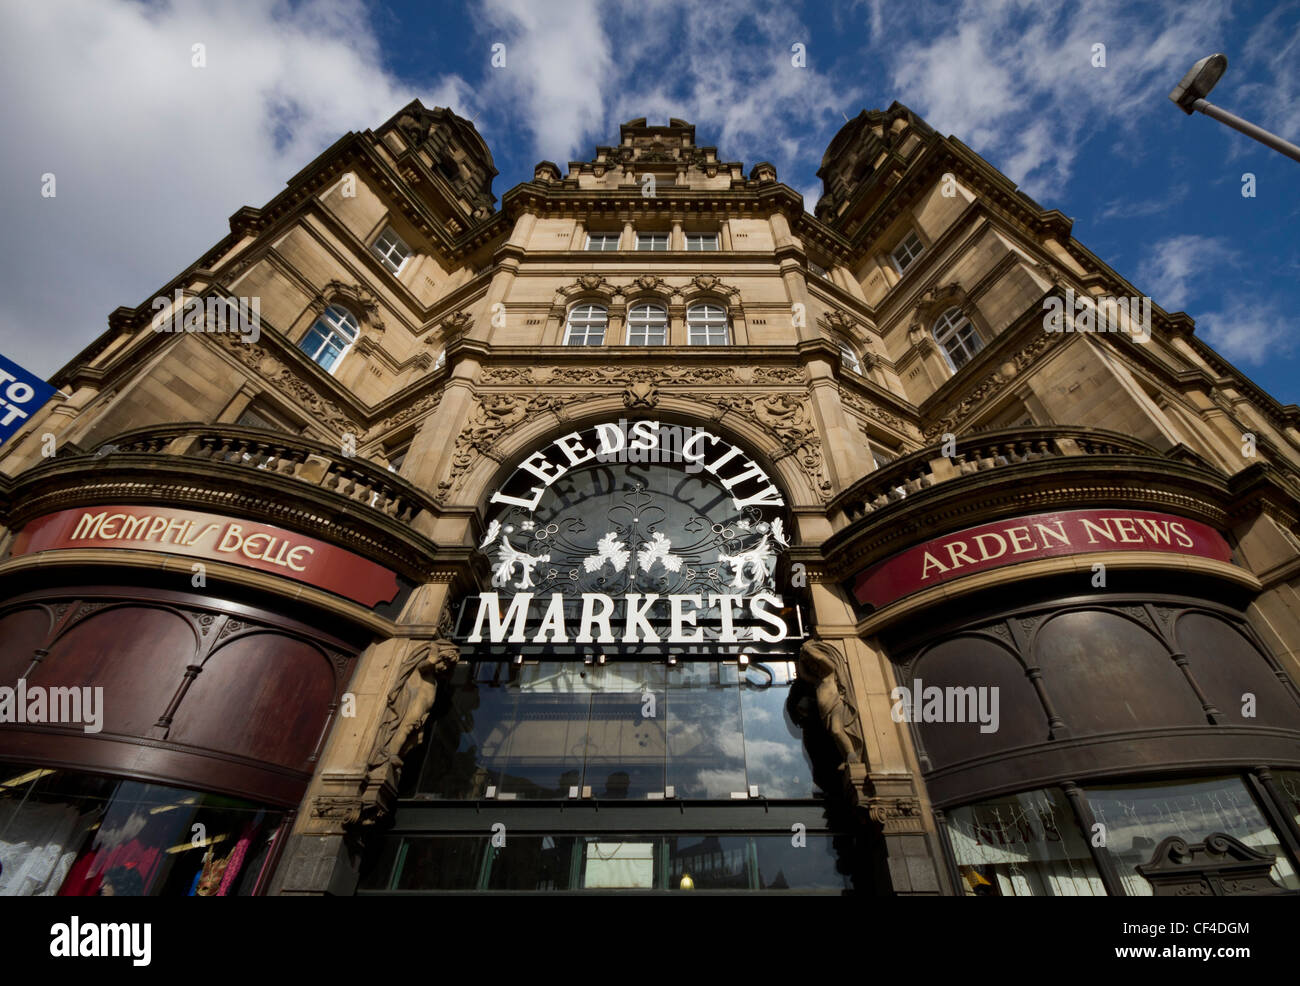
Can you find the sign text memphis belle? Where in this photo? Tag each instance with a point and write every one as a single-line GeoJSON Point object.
{"type": "Point", "coordinates": [541, 619]}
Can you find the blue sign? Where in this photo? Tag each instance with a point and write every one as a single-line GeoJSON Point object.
{"type": "Point", "coordinates": [22, 394]}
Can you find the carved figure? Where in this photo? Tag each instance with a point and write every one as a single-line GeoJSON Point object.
{"type": "Point", "coordinates": [410, 701]}
{"type": "Point", "coordinates": [821, 665]}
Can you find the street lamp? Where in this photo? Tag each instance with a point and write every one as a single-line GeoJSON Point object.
{"type": "Point", "coordinates": [1196, 85]}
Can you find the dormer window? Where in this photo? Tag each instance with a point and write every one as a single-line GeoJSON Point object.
{"type": "Point", "coordinates": [652, 241]}
{"type": "Point", "coordinates": [957, 337]}
{"type": "Point", "coordinates": [907, 251]}
{"type": "Point", "coordinates": [602, 242]}
{"type": "Point", "coordinates": [330, 337]}
{"type": "Point", "coordinates": [391, 250]}
{"type": "Point", "coordinates": [701, 241]}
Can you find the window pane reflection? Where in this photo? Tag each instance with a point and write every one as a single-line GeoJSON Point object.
{"type": "Point", "coordinates": [1139, 818]}
{"type": "Point", "coordinates": [625, 730]}
{"type": "Point", "coordinates": [1023, 845]}
{"type": "Point", "coordinates": [609, 862]}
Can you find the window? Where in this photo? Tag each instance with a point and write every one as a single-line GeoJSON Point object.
{"type": "Point", "coordinates": [441, 361]}
{"type": "Point", "coordinates": [647, 325]}
{"type": "Point", "coordinates": [707, 325]}
{"type": "Point", "coordinates": [586, 326]}
{"type": "Point", "coordinates": [850, 358]}
{"type": "Point", "coordinates": [701, 241]}
{"type": "Point", "coordinates": [819, 270]}
{"type": "Point", "coordinates": [908, 250]}
{"type": "Point", "coordinates": [391, 250]}
{"type": "Point", "coordinates": [331, 336]}
{"type": "Point", "coordinates": [397, 458]}
{"type": "Point", "coordinates": [652, 241]}
{"type": "Point", "coordinates": [958, 338]}
{"type": "Point", "coordinates": [881, 457]}
{"type": "Point", "coordinates": [602, 242]}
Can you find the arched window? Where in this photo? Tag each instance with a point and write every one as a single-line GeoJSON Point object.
{"type": "Point", "coordinates": [849, 358]}
{"type": "Point", "coordinates": [330, 337]}
{"type": "Point", "coordinates": [954, 332]}
{"type": "Point", "coordinates": [647, 325]}
{"type": "Point", "coordinates": [586, 325]}
{"type": "Point", "coordinates": [706, 325]}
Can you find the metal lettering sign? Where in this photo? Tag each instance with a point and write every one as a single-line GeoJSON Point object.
{"type": "Point", "coordinates": [633, 532]}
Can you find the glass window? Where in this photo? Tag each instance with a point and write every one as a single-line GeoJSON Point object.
{"type": "Point", "coordinates": [706, 325]}
{"type": "Point", "coordinates": [647, 325]}
{"type": "Point", "coordinates": [440, 863]}
{"type": "Point", "coordinates": [712, 862]}
{"type": "Point", "coordinates": [1023, 845]}
{"type": "Point", "coordinates": [701, 241]}
{"type": "Point", "coordinates": [1137, 818]}
{"type": "Point", "coordinates": [391, 250]}
{"type": "Point", "coordinates": [1288, 781]}
{"type": "Point", "coordinates": [330, 337]}
{"type": "Point", "coordinates": [907, 251]}
{"type": "Point", "coordinates": [586, 326]}
{"type": "Point", "coordinates": [880, 457]}
{"type": "Point", "coordinates": [532, 863]}
{"type": "Point", "coordinates": [819, 270]}
{"type": "Point", "coordinates": [957, 337]}
{"type": "Point", "coordinates": [780, 865]}
{"type": "Point", "coordinates": [626, 730]}
{"type": "Point", "coordinates": [652, 241]}
{"type": "Point", "coordinates": [849, 358]}
{"type": "Point", "coordinates": [602, 242]}
{"type": "Point", "coordinates": [78, 835]}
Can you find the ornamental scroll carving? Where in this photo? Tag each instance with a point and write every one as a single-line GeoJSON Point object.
{"type": "Point", "coordinates": [788, 418]}
{"type": "Point", "coordinates": [990, 386]}
{"type": "Point", "coordinates": [491, 417]}
{"type": "Point", "coordinates": [868, 410]}
{"type": "Point", "coordinates": [286, 381]}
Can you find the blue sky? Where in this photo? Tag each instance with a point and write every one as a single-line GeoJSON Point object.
{"type": "Point", "coordinates": [151, 155]}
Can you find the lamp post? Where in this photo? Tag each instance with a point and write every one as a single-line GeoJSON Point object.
{"type": "Point", "coordinates": [1190, 95]}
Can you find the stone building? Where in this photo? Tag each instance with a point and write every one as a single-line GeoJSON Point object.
{"type": "Point", "coordinates": [646, 531]}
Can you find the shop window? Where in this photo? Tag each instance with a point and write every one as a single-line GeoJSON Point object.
{"type": "Point", "coordinates": [1022, 845]}
{"type": "Point", "coordinates": [330, 337]}
{"type": "Point", "coordinates": [79, 835]}
{"type": "Point", "coordinates": [586, 326]}
{"type": "Point", "coordinates": [957, 338]}
{"type": "Point", "coordinates": [706, 325]}
{"type": "Point", "coordinates": [647, 325]}
{"type": "Point", "coordinates": [391, 250]}
{"type": "Point", "coordinates": [1138, 817]}
{"type": "Point", "coordinates": [530, 862]}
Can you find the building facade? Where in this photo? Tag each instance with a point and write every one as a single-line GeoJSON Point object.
{"type": "Point", "coordinates": [645, 532]}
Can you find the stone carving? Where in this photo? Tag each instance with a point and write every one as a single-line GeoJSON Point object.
{"type": "Point", "coordinates": [866, 409]}
{"type": "Point", "coordinates": [778, 374]}
{"type": "Point", "coordinates": [507, 374]}
{"type": "Point", "coordinates": [493, 415]}
{"type": "Point", "coordinates": [895, 814]}
{"type": "Point", "coordinates": [452, 327]}
{"type": "Point", "coordinates": [622, 376]}
{"type": "Point", "coordinates": [641, 394]}
{"type": "Point", "coordinates": [990, 386]}
{"type": "Point", "coordinates": [288, 382]}
{"type": "Point", "coordinates": [788, 418]}
{"type": "Point", "coordinates": [839, 322]}
{"type": "Point", "coordinates": [648, 282]}
{"type": "Point", "coordinates": [338, 808]}
{"type": "Point", "coordinates": [426, 403]}
{"type": "Point", "coordinates": [821, 665]}
{"type": "Point", "coordinates": [712, 284]}
{"type": "Point", "coordinates": [359, 296]}
{"type": "Point", "coordinates": [409, 702]}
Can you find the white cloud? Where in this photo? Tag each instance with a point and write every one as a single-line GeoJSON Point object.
{"type": "Point", "coordinates": [1127, 209]}
{"type": "Point", "coordinates": [1173, 267]}
{"type": "Point", "coordinates": [151, 155]}
{"type": "Point", "coordinates": [1246, 332]}
{"type": "Point", "coordinates": [980, 70]}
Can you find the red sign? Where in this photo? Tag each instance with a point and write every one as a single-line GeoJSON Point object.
{"type": "Point", "coordinates": [1008, 542]}
{"type": "Point", "coordinates": [199, 535]}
